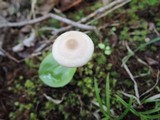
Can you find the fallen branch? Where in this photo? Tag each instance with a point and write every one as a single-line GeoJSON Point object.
{"type": "Point", "coordinates": [50, 15]}
{"type": "Point", "coordinates": [101, 11]}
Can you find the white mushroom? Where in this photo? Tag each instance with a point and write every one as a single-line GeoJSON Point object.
{"type": "Point", "coordinates": [73, 49]}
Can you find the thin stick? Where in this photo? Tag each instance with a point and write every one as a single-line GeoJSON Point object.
{"type": "Point", "coordinates": [111, 10]}
{"type": "Point", "coordinates": [101, 10]}
{"type": "Point", "coordinates": [55, 101]}
{"type": "Point", "coordinates": [50, 15]}
{"type": "Point", "coordinates": [72, 23]}
{"type": "Point", "coordinates": [134, 81]}
{"type": "Point", "coordinates": [130, 74]}
{"type": "Point", "coordinates": [130, 96]}
{"type": "Point", "coordinates": [9, 56]}
{"type": "Point", "coordinates": [142, 75]}
{"type": "Point", "coordinates": [23, 23]}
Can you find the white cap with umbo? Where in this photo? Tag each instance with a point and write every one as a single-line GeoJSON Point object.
{"type": "Point", "coordinates": [73, 49]}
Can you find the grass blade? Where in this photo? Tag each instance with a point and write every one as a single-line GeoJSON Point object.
{"type": "Point", "coordinates": [152, 117]}
{"type": "Point", "coordinates": [126, 105]}
{"type": "Point", "coordinates": [151, 111]}
{"type": "Point", "coordinates": [126, 111]}
{"type": "Point", "coordinates": [98, 98]}
{"type": "Point", "coordinates": [108, 94]}
{"type": "Point", "coordinates": [148, 43]}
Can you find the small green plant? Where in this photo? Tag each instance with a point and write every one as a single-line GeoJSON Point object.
{"type": "Point", "coordinates": [106, 48]}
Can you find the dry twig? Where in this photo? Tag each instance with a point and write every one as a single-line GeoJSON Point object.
{"type": "Point", "coordinates": [103, 10]}
{"type": "Point", "coordinates": [9, 56]}
{"type": "Point", "coordinates": [130, 74]}
{"type": "Point", "coordinates": [134, 81]}
{"type": "Point", "coordinates": [100, 12]}
{"type": "Point", "coordinates": [131, 96]}
{"type": "Point", "coordinates": [120, 4]}
{"type": "Point", "coordinates": [50, 15]}
{"type": "Point", "coordinates": [55, 101]}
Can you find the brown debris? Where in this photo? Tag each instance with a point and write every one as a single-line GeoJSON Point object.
{"type": "Point", "coordinates": [68, 4]}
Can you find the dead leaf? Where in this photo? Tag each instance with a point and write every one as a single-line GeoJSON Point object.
{"type": "Point", "coordinates": [105, 2]}
{"type": "Point", "coordinates": [68, 4]}
{"type": "Point", "coordinates": [14, 7]}
{"type": "Point", "coordinates": [153, 28]}
{"type": "Point", "coordinates": [47, 6]}
{"type": "Point", "coordinates": [147, 39]}
{"type": "Point", "coordinates": [26, 29]}
{"type": "Point", "coordinates": [33, 5]}
{"type": "Point", "coordinates": [56, 101]}
{"type": "Point", "coordinates": [113, 40]}
{"type": "Point", "coordinates": [28, 42]}
{"type": "Point", "coordinates": [1, 53]}
{"type": "Point", "coordinates": [16, 4]}
{"type": "Point", "coordinates": [3, 20]}
{"type": "Point", "coordinates": [65, 3]}
{"type": "Point", "coordinates": [18, 48]}
{"type": "Point", "coordinates": [151, 61]}
{"type": "Point", "coordinates": [3, 5]}
{"type": "Point", "coordinates": [97, 115]}
{"type": "Point", "coordinates": [2, 38]}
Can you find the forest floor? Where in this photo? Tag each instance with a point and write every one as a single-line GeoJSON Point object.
{"type": "Point", "coordinates": [127, 46]}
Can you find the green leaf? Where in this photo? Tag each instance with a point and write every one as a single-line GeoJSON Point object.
{"type": "Point", "coordinates": [101, 46]}
{"type": "Point", "coordinates": [107, 52]}
{"type": "Point", "coordinates": [53, 74]}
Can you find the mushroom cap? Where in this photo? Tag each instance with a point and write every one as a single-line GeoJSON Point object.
{"type": "Point", "coordinates": [73, 49]}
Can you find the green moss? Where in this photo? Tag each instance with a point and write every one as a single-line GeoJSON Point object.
{"type": "Point", "coordinates": [86, 86]}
